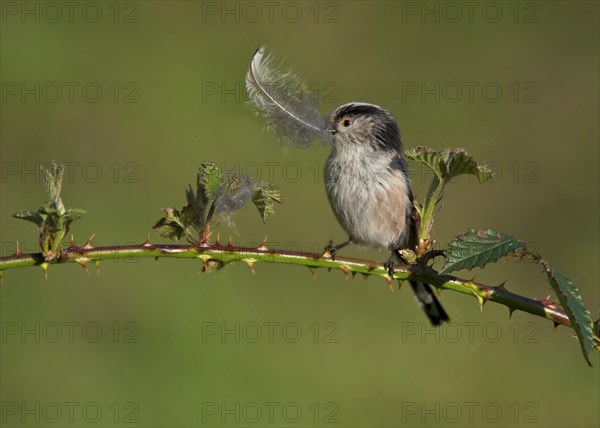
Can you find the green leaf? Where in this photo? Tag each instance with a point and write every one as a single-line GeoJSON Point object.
{"type": "Point", "coordinates": [171, 225]}
{"type": "Point", "coordinates": [570, 300]}
{"type": "Point", "coordinates": [210, 180]}
{"type": "Point", "coordinates": [52, 219]}
{"type": "Point", "coordinates": [32, 216]}
{"type": "Point", "coordinates": [449, 163]}
{"type": "Point", "coordinates": [476, 248]}
{"type": "Point", "coordinates": [216, 194]}
{"type": "Point", "coordinates": [53, 175]}
{"type": "Point", "coordinates": [264, 196]}
{"type": "Point", "coordinates": [431, 158]}
{"type": "Point", "coordinates": [189, 216]}
{"type": "Point", "coordinates": [73, 214]}
{"type": "Point", "coordinates": [458, 162]}
{"type": "Point", "coordinates": [409, 256]}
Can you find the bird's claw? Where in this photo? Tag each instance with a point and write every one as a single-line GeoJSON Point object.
{"type": "Point", "coordinates": [330, 249]}
{"type": "Point", "coordinates": [389, 265]}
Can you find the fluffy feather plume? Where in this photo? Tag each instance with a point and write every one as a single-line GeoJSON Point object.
{"type": "Point", "coordinates": [290, 109]}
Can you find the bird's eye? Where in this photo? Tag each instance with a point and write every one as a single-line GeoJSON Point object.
{"type": "Point", "coordinates": [346, 122]}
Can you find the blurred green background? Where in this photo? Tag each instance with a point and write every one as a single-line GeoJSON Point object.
{"type": "Point", "coordinates": [170, 80]}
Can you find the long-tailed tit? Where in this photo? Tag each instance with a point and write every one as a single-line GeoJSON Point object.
{"type": "Point", "coordinates": [365, 174]}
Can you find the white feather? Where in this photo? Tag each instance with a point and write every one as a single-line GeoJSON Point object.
{"type": "Point", "coordinates": [289, 108]}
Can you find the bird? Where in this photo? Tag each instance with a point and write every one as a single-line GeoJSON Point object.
{"type": "Point", "coordinates": [365, 174]}
{"type": "Point", "coordinates": [369, 190]}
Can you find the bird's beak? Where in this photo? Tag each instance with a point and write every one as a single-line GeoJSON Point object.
{"type": "Point", "coordinates": [332, 130]}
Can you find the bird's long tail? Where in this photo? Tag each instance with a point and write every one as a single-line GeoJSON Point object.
{"type": "Point", "coordinates": [428, 301]}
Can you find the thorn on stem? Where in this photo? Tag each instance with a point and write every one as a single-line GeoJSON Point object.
{"type": "Point", "coordinates": [88, 244]}
{"type": "Point", "coordinates": [44, 267]}
{"type": "Point", "coordinates": [481, 302]}
{"type": "Point", "coordinates": [205, 235]}
{"type": "Point", "coordinates": [262, 246]}
{"type": "Point", "coordinates": [83, 263]}
{"type": "Point", "coordinates": [250, 263]}
{"type": "Point", "coordinates": [510, 312]}
{"type": "Point", "coordinates": [501, 285]}
{"type": "Point", "coordinates": [389, 281]}
{"type": "Point", "coordinates": [209, 265]}
{"type": "Point", "coordinates": [18, 250]}
{"type": "Point", "coordinates": [345, 269]}
{"type": "Point", "coordinates": [147, 242]}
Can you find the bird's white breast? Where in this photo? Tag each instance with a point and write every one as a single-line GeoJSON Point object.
{"type": "Point", "coordinates": [370, 199]}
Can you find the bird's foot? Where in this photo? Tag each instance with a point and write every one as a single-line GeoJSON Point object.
{"type": "Point", "coordinates": [389, 265]}
{"type": "Point", "coordinates": [330, 250]}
